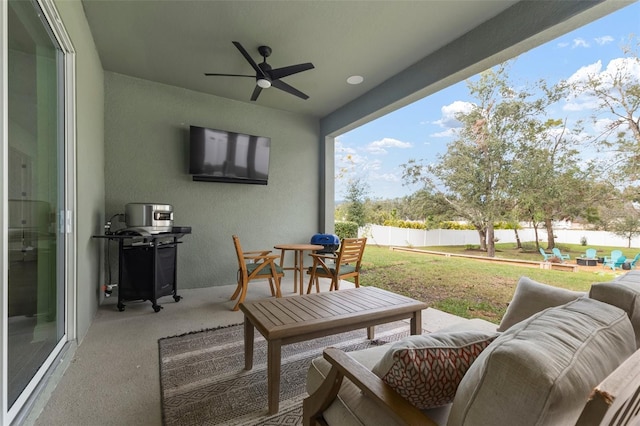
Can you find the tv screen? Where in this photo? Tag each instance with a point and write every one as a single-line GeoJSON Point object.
{"type": "Point", "coordinates": [221, 156]}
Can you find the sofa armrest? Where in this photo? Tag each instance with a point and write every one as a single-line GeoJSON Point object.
{"type": "Point", "coordinates": [616, 397]}
{"type": "Point", "coordinates": [371, 385]}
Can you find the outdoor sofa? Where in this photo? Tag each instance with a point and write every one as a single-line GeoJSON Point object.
{"type": "Point", "coordinates": [558, 357]}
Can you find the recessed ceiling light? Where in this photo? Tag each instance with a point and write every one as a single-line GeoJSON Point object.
{"type": "Point", "coordinates": [355, 79]}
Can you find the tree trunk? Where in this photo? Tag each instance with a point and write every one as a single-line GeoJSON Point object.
{"type": "Point", "coordinates": [550, 239]}
{"type": "Point", "coordinates": [535, 230]}
{"type": "Point", "coordinates": [491, 242]}
{"type": "Point", "coordinates": [518, 242]}
{"type": "Point", "coordinates": [483, 239]}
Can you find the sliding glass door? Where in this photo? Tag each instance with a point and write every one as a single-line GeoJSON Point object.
{"type": "Point", "coordinates": [35, 197]}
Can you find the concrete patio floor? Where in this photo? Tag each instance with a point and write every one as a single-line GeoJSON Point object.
{"type": "Point", "coordinates": [113, 376]}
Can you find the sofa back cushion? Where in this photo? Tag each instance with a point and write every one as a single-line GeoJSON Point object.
{"type": "Point", "coordinates": [532, 297]}
{"type": "Point", "coordinates": [426, 369]}
{"type": "Point", "coordinates": [541, 370]}
{"type": "Point", "coordinates": [623, 293]}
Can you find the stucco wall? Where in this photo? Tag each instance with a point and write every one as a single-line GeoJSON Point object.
{"type": "Point", "coordinates": [146, 145]}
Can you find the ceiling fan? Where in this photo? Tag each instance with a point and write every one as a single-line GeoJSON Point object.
{"type": "Point", "coordinates": [266, 76]}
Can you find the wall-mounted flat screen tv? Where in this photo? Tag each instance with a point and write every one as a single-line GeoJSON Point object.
{"type": "Point", "coordinates": [222, 156]}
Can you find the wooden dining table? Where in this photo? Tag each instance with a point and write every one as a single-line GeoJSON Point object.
{"type": "Point", "coordinates": [298, 263]}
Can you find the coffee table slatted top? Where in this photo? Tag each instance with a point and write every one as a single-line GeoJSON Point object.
{"type": "Point", "coordinates": [292, 316]}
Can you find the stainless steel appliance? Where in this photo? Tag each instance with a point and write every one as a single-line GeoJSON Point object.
{"type": "Point", "coordinates": [150, 217]}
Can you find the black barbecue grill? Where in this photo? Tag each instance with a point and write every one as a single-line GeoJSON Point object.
{"type": "Point", "coordinates": [330, 242]}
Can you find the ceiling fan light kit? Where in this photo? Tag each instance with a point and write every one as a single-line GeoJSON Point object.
{"type": "Point", "coordinates": [266, 76]}
{"type": "Point", "coordinates": [264, 83]}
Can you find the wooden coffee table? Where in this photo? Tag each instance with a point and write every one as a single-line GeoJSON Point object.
{"type": "Point", "coordinates": [294, 319]}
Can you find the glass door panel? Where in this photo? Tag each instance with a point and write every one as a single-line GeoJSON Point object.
{"type": "Point", "coordinates": [35, 190]}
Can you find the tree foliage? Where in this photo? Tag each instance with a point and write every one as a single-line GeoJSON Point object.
{"type": "Point", "coordinates": [613, 94]}
{"type": "Point", "coordinates": [357, 191]}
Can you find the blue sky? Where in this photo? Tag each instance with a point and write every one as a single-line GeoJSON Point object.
{"type": "Point", "coordinates": [421, 130]}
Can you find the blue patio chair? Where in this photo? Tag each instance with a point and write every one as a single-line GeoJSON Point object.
{"type": "Point", "coordinates": [556, 252]}
{"type": "Point", "coordinates": [545, 255]}
{"type": "Point", "coordinates": [614, 255]}
{"type": "Point", "coordinates": [632, 264]}
{"type": "Point", "coordinates": [617, 263]}
{"type": "Point", "coordinates": [591, 253]}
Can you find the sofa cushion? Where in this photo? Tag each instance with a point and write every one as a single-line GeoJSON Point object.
{"type": "Point", "coordinates": [541, 370]}
{"type": "Point", "coordinates": [623, 293]}
{"type": "Point", "coordinates": [426, 370]}
{"type": "Point", "coordinates": [532, 297]}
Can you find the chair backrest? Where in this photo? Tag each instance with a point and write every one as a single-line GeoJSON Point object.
{"type": "Point", "coordinates": [241, 263]}
{"type": "Point", "coordinates": [635, 260]}
{"type": "Point", "coordinates": [615, 254]}
{"type": "Point", "coordinates": [351, 250]}
{"type": "Point", "coordinates": [556, 251]}
{"type": "Point", "coordinates": [591, 253]}
{"type": "Point", "coordinates": [542, 252]}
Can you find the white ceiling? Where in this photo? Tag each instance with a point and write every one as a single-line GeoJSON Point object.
{"type": "Point", "coordinates": [176, 42]}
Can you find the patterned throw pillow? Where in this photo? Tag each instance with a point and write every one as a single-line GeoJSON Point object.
{"type": "Point", "coordinates": [426, 370]}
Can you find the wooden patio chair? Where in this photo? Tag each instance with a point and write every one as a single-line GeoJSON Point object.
{"type": "Point", "coordinates": [254, 265]}
{"type": "Point", "coordinates": [344, 264]}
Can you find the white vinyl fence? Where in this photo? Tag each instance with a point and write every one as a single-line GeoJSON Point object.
{"type": "Point", "coordinates": [402, 237]}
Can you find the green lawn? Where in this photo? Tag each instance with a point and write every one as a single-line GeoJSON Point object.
{"type": "Point", "coordinates": [466, 287]}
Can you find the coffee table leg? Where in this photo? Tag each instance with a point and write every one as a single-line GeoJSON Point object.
{"type": "Point", "coordinates": [273, 375]}
{"type": "Point", "coordinates": [301, 270]}
{"type": "Point", "coordinates": [371, 332]}
{"type": "Point", "coordinates": [416, 322]}
{"type": "Point", "coordinates": [248, 344]}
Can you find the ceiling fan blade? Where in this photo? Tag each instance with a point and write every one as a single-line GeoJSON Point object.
{"type": "Point", "coordinates": [256, 93]}
{"type": "Point", "coordinates": [292, 69]}
{"type": "Point", "coordinates": [249, 59]}
{"type": "Point", "coordinates": [279, 84]}
{"type": "Point", "coordinates": [230, 75]}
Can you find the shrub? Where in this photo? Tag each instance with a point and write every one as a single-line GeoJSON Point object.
{"type": "Point", "coordinates": [346, 229]}
{"type": "Point", "coordinates": [583, 241]}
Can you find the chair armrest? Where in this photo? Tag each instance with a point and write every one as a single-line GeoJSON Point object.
{"type": "Point", "coordinates": [324, 255]}
{"type": "Point", "coordinates": [266, 258]}
{"type": "Point", "coordinates": [260, 252]}
{"type": "Point", "coordinates": [371, 385]}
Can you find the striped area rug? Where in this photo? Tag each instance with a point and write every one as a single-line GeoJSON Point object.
{"type": "Point", "coordinates": [203, 381]}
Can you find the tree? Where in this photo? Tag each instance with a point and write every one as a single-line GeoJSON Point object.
{"type": "Point", "coordinates": [549, 178]}
{"type": "Point", "coordinates": [628, 223]}
{"type": "Point", "coordinates": [476, 174]}
{"type": "Point", "coordinates": [357, 190]}
{"type": "Point", "coordinates": [615, 91]}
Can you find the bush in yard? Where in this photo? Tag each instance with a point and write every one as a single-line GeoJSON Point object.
{"type": "Point", "coordinates": [346, 229]}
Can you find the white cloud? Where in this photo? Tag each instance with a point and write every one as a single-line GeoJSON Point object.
{"type": "Point", "coordinates": [449, 122]}
{"type": "Point", "coordinates": [585, 72]}
{"type": "Point", "coordinates": [582, 103]}
{"type": "Point", "coordinates": [563, 44]}
{"type": "Point", "coordinates": [604, 40]}
{"type": "Point", "coordinates": [448, 133]}
{"type": "Point", "coordinates": [381, 146]}
{"type": "Point", "coordinates": [584, 99]}
{"type": "Point", "coordinates": [580, 42]}
{"type": "Point", "coordinates": [386, 177]}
